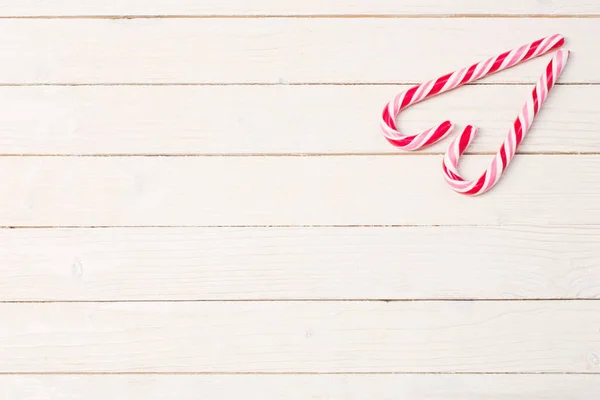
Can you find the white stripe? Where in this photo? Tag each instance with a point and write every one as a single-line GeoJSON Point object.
{"type": "Point", "coordinates": [479, 70]}
{"type": "Point", "coordinates": [421, 138]}
{"type": "Point", "coordinates": [529, 105]}
{"type": "Point", "coordinates": [555, 70]}
{"type": "Point", "coordinates": [542, 92]}
{"type": "Point", "coordinates": [507, 59]}
{"type": "Point", "coordinates": [423, 91]}
{"type": "Point", "coordinates": [396, 104]}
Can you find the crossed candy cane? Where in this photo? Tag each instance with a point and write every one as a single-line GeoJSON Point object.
{"type": "Point", "coordinates": [450, 81]}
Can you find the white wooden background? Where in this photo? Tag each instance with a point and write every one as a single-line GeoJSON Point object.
{"type": "Point", "coordinates": [196, 202]}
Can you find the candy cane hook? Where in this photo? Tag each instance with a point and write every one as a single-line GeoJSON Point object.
{"type": "Point", "coordinates": [451, 81]}
{"type": "Point", "coordinates": [517, 133]}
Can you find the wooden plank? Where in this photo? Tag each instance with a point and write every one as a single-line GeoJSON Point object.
{"type": "Point", "coordinates": [333, 190]}
{"type": "Point", "coordinates": [279, 50]}
{"type": "Point", "coordinates": [293, 337]}
{"type": "Point", "coordinates": [275, 119]}
{"type": "Point", "coordinates": [305, 387]}
{"type": "Point", "coordinates": [307, 7]}
{"type": "Point", "coordinates": [299, 263]}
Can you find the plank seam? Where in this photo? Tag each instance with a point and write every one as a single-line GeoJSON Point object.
{"type": "Point", "coordinates": [243, 84]}
{"type": "Point", "coordinates": [307, 16]}
{"type": "Point", "coordinates": [309, 300]}
{"type": "Point", "coordinates": [303, 155]}
{"type": "Point", "coordinates": [391, 226]}
{"type": "Point", "coordinates": [7, 373]}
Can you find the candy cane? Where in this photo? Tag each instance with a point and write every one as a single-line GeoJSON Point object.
{"type": "Point", "coordinates": [517, 133]}
{"type": "Point", "coordinates": [451, 81]}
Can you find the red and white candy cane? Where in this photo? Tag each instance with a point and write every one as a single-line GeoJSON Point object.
{"type": "Point", "coordinates": [517, 133]}
{"type": "Point", "coordinates": [451, 81]}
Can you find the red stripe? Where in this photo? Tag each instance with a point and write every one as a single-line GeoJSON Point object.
{"type": "Point", "coordinates": [498, 62]}
{"type": "Point", "coordinates": [558, 44]}
{"type": "Point", "coordinates": [469, 73]}
{"type": "Point", "coordinates": [388, 119]}
{"type": "Point", "coordinates": [439, 133]}
{"type": "Point", "coordinates": [549, 76]}
{"type": "Point", "coordinates": [451, 174]}
{"type": "Point", "coordinates": [503, 155]}
{"type": "Point", "coordinates": [408, 96]}
{"type": "Point", "coordinates": [536, 44]}
{"type": "Point", "coordinates": [533, 48]}
{"type": "Point", "coordinates": [536, 105]}
{"type": "Point", "coordinates": [439, 84]}
{"type": "Point", "coordinates": [477, 186]}
{"type": "Point", "coordinates": [464, 140]}
{"type": "Point", "coordinates": [518, 132]}
{"type": "Point", "coordinates": [401, 142]}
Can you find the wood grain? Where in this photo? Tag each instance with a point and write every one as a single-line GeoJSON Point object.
{"type": "Point", "coordinates": [301, 337]}
{"type": "Point", "coordinates": [276, 119]}
{"type": "Point", "coordinates": [307, 7]}
{"type": "Point", "coordinates": [299, 263]}
{"type": "Point", "coordinates": [249, 271]}
{"type": "Point", "coordinates": [305, 387]}
{"type": "Point", "coordinates": [279, 50]}
{"type": "Point", "coordinates": [235, 191]}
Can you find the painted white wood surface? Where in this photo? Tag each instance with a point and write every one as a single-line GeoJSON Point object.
{"type": "Point", "coordinates": [307, 7]}
{"type": "Point", "coordinates": [289, 337]}
{"type": "Point", "coordinates": [277, 119]}
{"type": "Point", "coordinates": [300, 387]}
{"type": "Point", "coordinates": [120, 264]}
{"type": "Point", "coordinates": [333, 190]}
{"type": "Point", "coordinates": [280, 50]}
{"type": "Point", "coordinates": [164, 299]}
